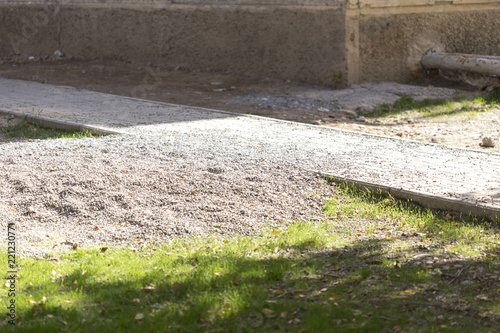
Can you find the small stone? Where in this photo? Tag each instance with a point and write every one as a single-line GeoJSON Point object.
{"type": "Point", "coordinates": [347, 113]}
{"type": "Point", "coordinates": [58, 54]}
{"type": "Point", "coordinates": [487, 143]}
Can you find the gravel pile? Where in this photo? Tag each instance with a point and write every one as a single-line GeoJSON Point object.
{"type": "Point", "coordinates": [147, 188]}
{"type": "Point", "coordinates": [285, 101]}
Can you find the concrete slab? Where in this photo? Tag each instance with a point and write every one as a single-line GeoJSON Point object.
{"type": "Point", "coordinates": [445, 177]}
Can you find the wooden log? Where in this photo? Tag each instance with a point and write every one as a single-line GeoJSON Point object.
{"type": "Point", "coordinates": [478, 64]}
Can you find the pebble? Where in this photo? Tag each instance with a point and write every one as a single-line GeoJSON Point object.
{"type": "Point", "coordinates": [58, 54]}
{"type": "Point", "coordinates": [487, 143]}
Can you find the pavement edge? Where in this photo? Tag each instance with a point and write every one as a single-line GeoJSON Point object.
{"type": "Point", "coordinates": [424, 200]}
{"type": "Point", "coordinates": [59, 124]}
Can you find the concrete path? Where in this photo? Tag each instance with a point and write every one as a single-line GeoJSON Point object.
{"type": "Point", "coordinates": [431, 174]}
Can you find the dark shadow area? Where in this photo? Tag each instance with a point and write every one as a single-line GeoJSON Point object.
{"type": "Point", "coordinates": [355, 288]}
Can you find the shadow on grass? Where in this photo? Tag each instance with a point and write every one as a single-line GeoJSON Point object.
{"type": "Point", "coordinates": [305, 286]}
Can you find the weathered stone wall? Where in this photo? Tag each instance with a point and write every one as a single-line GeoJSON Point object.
{"type": "Point", "coordinates": [389, 37]}
{"type": "Point", "coordinates": [326, 42]}
{"type": "Point", "coordinates": [389, 43]}
{"type": "Point", "coordinates": [264, 38]}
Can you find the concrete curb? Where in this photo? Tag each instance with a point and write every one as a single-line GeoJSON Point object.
{"type": "Point", "coordinates": [64, 125]}
{"type": "Point", "coordinates": [424, 200]}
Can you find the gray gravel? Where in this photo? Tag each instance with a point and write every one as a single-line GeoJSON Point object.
{"type": "Point", "coordinates": [286, 101]}
{"type": "Point", "coordinates": [360, 98]}
{"type": "Point", "coordinates": [146, 189]}
{"type": "Point", "coordinates": [183, 170]}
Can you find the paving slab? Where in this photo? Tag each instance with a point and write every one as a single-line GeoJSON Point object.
{"type": "Point", "coordinates": [433, 175]}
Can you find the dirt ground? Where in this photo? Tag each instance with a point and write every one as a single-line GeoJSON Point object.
{"type": "Point", "coordinates": [271, 98]}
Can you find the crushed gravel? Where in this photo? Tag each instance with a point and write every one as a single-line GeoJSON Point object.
{"type": "Point", "coordinates": [286, 101]}
{"type": "Point", "coordinates": [138, 189]}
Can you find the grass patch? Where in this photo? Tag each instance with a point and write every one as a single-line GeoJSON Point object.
{"type": "Point", "coordinates": [438, 107]}
{"type": "Point", "coordinates": [373, 265]}
{"type": "Point", "coordinates": [31, 129]}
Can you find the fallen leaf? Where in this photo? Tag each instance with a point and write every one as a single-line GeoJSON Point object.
{"type": "Point", "coordinates": [268, 313]}
{"type": "Point", "coordinates": [148, 288]}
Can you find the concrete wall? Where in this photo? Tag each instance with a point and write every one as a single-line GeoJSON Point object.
{"type": "Point", "coordinates": [296, 40]}
{"type": "Point", "coordinates": [326, 42]}
{"type": "Point", "coordinates": [389, 37]}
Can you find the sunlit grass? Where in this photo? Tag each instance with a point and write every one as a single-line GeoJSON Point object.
{"type": "Point", "coordinates": [31, 129]}
{"type": "Point", "coordinates": [435, 108]}
{"type": "Point", "coordinates": [365, 268]}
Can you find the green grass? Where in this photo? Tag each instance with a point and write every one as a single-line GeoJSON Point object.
{"type": "Point", "coordinates": [373, 264]}
{"type": "Point", "coordinates": [31, 129]}
{"type": "Point", "coordinates": [439, 107]}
